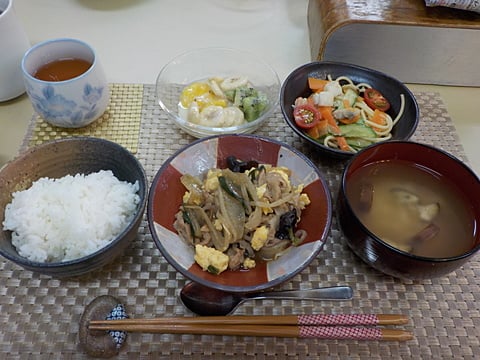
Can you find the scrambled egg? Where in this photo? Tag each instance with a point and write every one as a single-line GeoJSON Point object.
{"type": "Point", "coordinates": [217, 224]}
{"type": "Point", "coordinates": [285, 173]}
{"type": "Point", "coordinates": [261, 190]}
{"type": "Point", "coordinates": [249, 263]}
{"type": "Point", "coordinates": [210, 259]}
{"type": "Point", "coordinates": [303, 200]}
{"type": "Point", "coordinates": [211, 182]}
{"type": "Point", "coordinates": [215, 261]}
{"type": "Point", "coordinates": [189, 198]}
{"type": "Point", "coordinates": [259, 237]}
{"type": "Point", "coordinates": [260, 194]}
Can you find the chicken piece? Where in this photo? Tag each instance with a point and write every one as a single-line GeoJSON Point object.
{"type": "Point", "coordinates": [348, 113]}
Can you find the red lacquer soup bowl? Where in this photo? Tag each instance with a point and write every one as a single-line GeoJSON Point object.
{"type": "Point", "coordinates": [445, 236]}
{"type": "Point", "coordinates": [196, 159]}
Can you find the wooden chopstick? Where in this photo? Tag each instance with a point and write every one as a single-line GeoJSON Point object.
{"type": "Point", "coordinates": [322, 326]}
{"type": "Point", "coordinates": [307, 320]}
{"type": "Point", "coordinates": [318, 332]}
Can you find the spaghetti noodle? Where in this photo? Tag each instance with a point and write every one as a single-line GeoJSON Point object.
{"type": "Point", "coordinates": [347, 121]}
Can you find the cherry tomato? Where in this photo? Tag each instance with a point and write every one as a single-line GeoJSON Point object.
{"type": "Point", "coordinates": [306, 116]}
{"type": "Point", "coordinates": [376, 100]}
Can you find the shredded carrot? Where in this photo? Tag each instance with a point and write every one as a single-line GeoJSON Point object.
{"type": "Point", "coordinates": [316, 84]}
{"type": "Point", "coordinates": [318, 130]}
{"type": "Point", "coordinates": [342, 143]}
{"type": "Point", "coordinates": [379, 117]}
{"type": "Point", "coordinates": [326, 112]}
{"type": "Point", "coordinates": [347, 121]}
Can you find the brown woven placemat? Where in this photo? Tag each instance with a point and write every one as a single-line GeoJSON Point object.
{"type": "Point", "coordinates": [39, 315]}
{"type": "Point", "coordinates": [120, 122]}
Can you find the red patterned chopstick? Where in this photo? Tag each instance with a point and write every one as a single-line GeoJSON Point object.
{"type": "Point", "coordinates": [352, 319]}
{"type": "Point", "coordinates": [322, 326]}
{"type": "Point", "coordinates": [315, 319]}
{"type": "Point", "coordinates": [354, 333]}
{"type": "Point", "coordinates": [318, 332]}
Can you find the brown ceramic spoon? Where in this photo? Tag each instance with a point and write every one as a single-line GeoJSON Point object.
{"type": "Point", "coordinates": [211, 302]}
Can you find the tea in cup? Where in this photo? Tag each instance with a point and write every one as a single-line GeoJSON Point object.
{"type": "Point", "coordinates": [65, 82]}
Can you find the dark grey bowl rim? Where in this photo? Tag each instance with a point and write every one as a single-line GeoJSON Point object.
{"type": "Point", "coordinates": [24, 262]}
{"type": "Point", "coordinates": [312, 67]}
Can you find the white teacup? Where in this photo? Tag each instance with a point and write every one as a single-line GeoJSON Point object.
{"type": "Point", "coordinates": [69, 102]}
{"type": "Point", "coordinates": [13, 44]}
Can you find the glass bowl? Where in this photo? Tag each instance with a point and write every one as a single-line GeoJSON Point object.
{"type": "Point", "coordinates": [204, 63]}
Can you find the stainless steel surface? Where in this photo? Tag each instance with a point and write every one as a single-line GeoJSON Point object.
{"type": "Point", "coordinates": [413, 54]}
{"type": "Point", "coordinates": [212, 302]}
{"type": "Point", "coordinates": [326, 293]}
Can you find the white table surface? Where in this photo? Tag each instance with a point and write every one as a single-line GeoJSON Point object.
{"type": "Point", "coordinates": [135, 38]}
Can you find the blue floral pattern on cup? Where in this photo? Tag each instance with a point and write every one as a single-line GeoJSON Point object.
{"type": "Point", "coordinates": [57, 108]}
{"type": "Point", "coordinates": [70, 103]}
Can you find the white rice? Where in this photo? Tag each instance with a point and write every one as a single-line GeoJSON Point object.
{"type": "Point", "coordinates": [67, 218]}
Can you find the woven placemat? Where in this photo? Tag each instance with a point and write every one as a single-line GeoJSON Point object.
{"type": "Point", "coordinates": [39, 315]}
{"type": "Point", "coordinates": [120, 122]}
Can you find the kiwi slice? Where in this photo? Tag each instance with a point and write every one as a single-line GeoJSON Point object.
{"type": "Point", "coordinates": [253, 106]}
{"type": "Point", "coordinates": [230, 95]}
{"type": "Point", "coordinates": [242, 93]}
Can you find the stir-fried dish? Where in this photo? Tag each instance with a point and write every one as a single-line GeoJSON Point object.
{"type": "Point", "coordinates": [237, 216]}
{"type": "Point", "coordinates": [343, 115]}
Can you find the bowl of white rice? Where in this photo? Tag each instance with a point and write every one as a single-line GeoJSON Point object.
{"type": "Point", "coordinates": [70, 206]}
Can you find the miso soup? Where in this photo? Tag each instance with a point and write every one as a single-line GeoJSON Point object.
{"type": "Point", "coordinates": [412, 209]}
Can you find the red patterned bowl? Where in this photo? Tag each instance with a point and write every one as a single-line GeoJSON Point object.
{"type": "Point", "coordinates": [166, 197]}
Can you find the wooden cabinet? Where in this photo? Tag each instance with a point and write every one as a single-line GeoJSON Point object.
{"type": "Point", "coordinates": [404, 38]}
